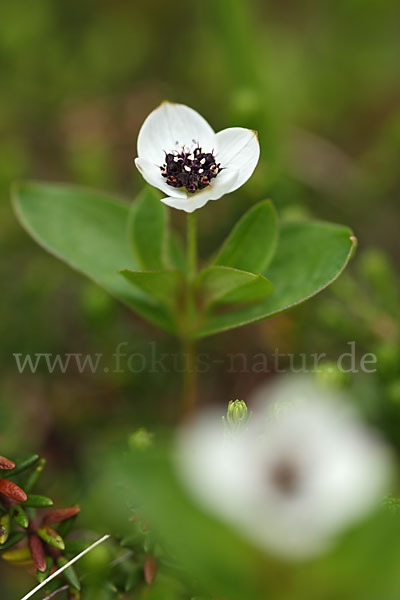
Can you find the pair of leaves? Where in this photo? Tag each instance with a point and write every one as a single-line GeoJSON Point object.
{"type": "Point", "coordinates": [95, 234]}
{"type": "Point", "coordinates": [232, 279]}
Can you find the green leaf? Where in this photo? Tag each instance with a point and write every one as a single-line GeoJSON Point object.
{"type": "Point", "coordinates": [36, 501]}
{"type": "Point", "coordinates": [164, 286]}
{"type": "Point", "coordinates": [175, 256]}
{"type": "Point", "coordinates": [147, 230]}
{"type": "Point", "coordinates": [223, 285]}
{"type": "Point", "coordinates": [20, 516]}
{"type": "Point", "coordinates": [18, 555]}
{"type": "Point", "coordinates": [34, 476]}
{"type": "Point", "coordinates": [69, 573]}
{"type": "Point", "coordinates": [133, 579]}
{"type": "Point", "coordinates": [5, 525]}
{"type": "Point", "coordinates": [88, 230]}
{"type": "Point", "coordinates": [309, 257]}
{"type": "Point", "coordinates": [50, 536]}
{"type": "Point", "coordinates": [252, 242]}
{"type": "Point", "coordinates": [14, 539]}
{"type": "Point", "coordinates": [342, 573]}
{"type": "Point", "coordinates": [24, 463]}
{"type": "Point", "coordinates": [42, 575]}
{"type": "Point", "coordinates": [74, 547]}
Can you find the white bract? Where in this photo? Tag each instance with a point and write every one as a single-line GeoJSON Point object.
{"type": "Point", "coordinates": [296, 478]}
{"type": "Point", "coordinates": [180, 154]}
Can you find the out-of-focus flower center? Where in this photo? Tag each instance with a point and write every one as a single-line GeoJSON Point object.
{"type": "Point", "coordinates": [286, 477]}
{"type": "Point", "coordinates": [192, 170]}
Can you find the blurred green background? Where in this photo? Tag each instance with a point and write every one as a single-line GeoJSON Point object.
{"type": "Point", "coordinates": [318, 80]}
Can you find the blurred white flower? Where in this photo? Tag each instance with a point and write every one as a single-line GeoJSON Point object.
{"type": "Point", "coordinates": [296, 478]}
{"type": "Point", "coordinates": [180, 154]}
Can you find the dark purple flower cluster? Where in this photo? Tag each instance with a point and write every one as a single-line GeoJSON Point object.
{"type": "Point", "coordinates": [192, 170]}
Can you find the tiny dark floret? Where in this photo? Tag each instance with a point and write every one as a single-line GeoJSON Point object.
{"type": "Point", "coordinates": [192, 170]}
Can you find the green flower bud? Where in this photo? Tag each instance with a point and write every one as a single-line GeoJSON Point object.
{"type": "Point", "coordinates": [140, 439]}
{"type": "Point", "coordinates": [237, 415]}
{"type": "Point", "coordinates": [329, 375]}
{"type": "Point", "coordinates": [392, 504]}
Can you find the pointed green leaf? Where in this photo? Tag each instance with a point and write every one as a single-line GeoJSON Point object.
{"type": "Point", "coordinates": [223, 285]}
{"type": "Point", "coordinates": [87, 229]}
{"type": "Point", "coordinates": [22, 464]}
{"type": "Point", "coordinates": [309, 257]}
{"type": "Point", "coordinates": [69, 573]}
{"type": "Point", "coordinates": [36, 501]}
{"type": "Point", "coordinates": [20, 516]}
{"type": "Point", "coordinates": [252, 242]}
{"type": "Point", "coordinates": [18, 555]}
{"type": "Point", "coordinates": [133, 578]}
{"type": "Point", "coordinates": [147, 230]}
{"type": "Point", "coordinates": [14, 539]}
{"type": "Point", "coordinates": [5, 524]}
{"type": "Point", "coordinates": [33, 477]}
{"type": "Point", "coordinates": [164, 286]}
{"type": "Point", "coordinates": [42, 575]}
{"type": "Point", "coordinates": [50, 536]}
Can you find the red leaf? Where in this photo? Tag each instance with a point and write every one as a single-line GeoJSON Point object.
{"type": "Point", "coordinates": [6, 464]}
{"type": "Point", "coordinates": [55, 516]}
{"type": "Point", "coordinates": [37, 551]}
{"type": "Point", "coordinates": [11, 490]}
{"type": "Point", "coordinates": [150, 569]}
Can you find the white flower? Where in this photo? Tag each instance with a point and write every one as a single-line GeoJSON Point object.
{"type": "Point", "coordinates": [180, 154]}
{"type": "Point", "coordinates": [293, 481]}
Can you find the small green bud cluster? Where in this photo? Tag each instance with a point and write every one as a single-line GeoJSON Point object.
{"type": "Point", "coordinates": [237, 416]}
{"type": "Point", "coordinates": [141, 439]}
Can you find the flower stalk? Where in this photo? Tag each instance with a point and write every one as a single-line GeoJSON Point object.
{"type": "Point", "coordinates": [188, 345]}
{"type": "Point", "coordinates": [191, 246]}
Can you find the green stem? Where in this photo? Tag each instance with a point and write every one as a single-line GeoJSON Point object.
{"type": "Point", "coordinates": [189, 379]}
{"type": "Point", "coordinates": [191, 247]}
{"type": "Point", "coordinates": [188, 346]}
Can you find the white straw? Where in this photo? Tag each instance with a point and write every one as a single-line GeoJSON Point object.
{"type": "Point", "coordinates": [71, 562]}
